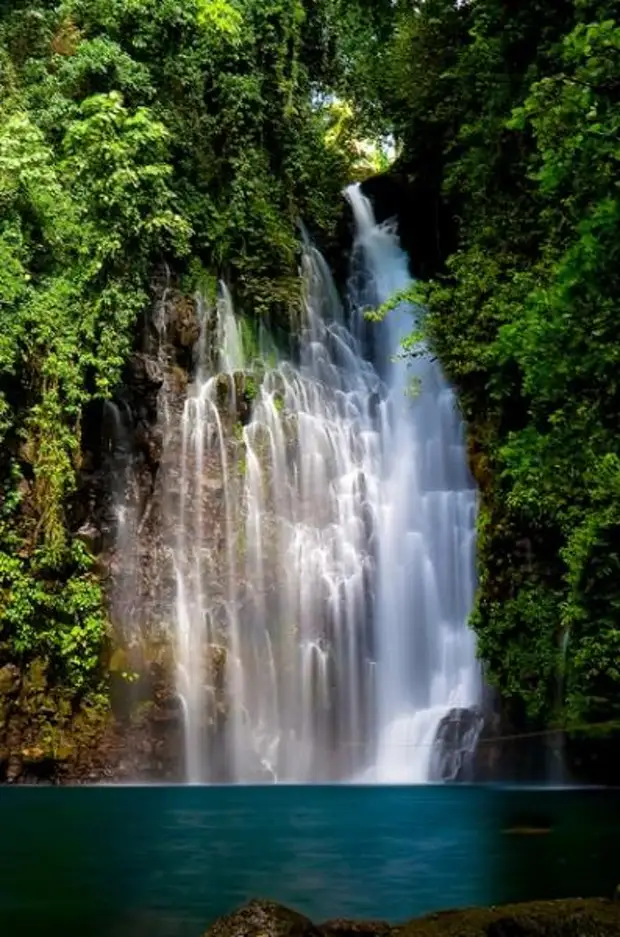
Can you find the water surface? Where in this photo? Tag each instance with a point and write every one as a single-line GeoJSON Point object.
{"type": "Point", "coordinates": [165, 861]}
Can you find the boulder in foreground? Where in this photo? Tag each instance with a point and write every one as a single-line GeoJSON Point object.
{"type": "Point", "coordinates": [263, 919]}
{"type": "Point", "coordinates": [593, 917]}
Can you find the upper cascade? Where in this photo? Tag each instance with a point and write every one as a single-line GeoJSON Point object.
{"type": "Point", "coordinates": [425, 582]}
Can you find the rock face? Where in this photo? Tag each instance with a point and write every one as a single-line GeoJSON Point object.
{"type": "Point", "coordinates": [566, 918]}
{"type": "Point", "coordinates": [455, 744]}
{"type": "Point", "coordinates": [46, 735]}
{"type": "Point", "coordinates": [10, 680]}
{"type": "Point", "coordinates": [129, 509]}
{"type": "Point", "coordinates": [426, 219]}
{"type": "Point", "coordinates": [505, 752]}
{"type": "Point", "coordinates": [126, 510]}
{"type": "Point", "coordinates": [125, 485]}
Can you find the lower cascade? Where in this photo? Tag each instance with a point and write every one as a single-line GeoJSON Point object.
{"type": "Point", "coordinates": [321, 520]}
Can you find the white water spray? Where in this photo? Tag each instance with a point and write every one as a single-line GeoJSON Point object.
{"type": "Point", "coordinates": [426, 661]}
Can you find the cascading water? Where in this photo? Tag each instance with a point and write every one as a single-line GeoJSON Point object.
{"type": "Point", "coordinates": [426, 663]}
{"type": "Point", "coordinates": [200, 599]}
{"type": "Point", "coordinates": [323, 584]}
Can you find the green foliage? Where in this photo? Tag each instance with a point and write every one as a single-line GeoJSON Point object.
{"type": "Point", "coordinates": [250, 342]}
{"type": "Point", "coordinates": [131, 132]}
{"type": "Point", "coordinates": [61, 623]}
{"type": "Point", "coordinates": [250, 388]}
{"type": "Point", "coordinates": [512, 114]}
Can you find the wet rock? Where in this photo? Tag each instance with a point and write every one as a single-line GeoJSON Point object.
{"type": "Point", "coordinates": [263, 919]}
{"type": "Point", "coordinates": [505, 753]}
{"type": "Point", "coordinates": [214, 484]}
{"type": "Point", "coordinates": [411, 201]}
{"type": "Point", "coordinates": [150, 440]}
{"type": "Point", "coordinates": [91, 536]}
{"type": "Point", "coordinates": [145, 372]}
{"type": "Point", "coordinates": [183, 327]}
{"type": "Point", "coordinates": [246, 392]}
{"type": "Point", "coordinates": [224, 392]}
{"type": "Point", "coordinates": [454, 745]}
{"type": "Point", "coordinates": [144, 376]}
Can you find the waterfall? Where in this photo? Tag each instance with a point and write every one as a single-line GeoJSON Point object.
{"type": "Point", "coordinates": [426, 576]}
{"type": "Point", "coordinates": [203, 602]}
{"type": "Point", "coordinates": [323, 545]}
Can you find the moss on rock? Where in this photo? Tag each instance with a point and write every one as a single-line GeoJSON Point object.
{"type": "Point", "coordinates": [263, 919]}
{"type": "Point", "coordinates": [569, 918]}
{"type": "Point", "coordinates": [594, 917]}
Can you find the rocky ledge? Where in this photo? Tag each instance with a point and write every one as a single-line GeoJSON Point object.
{"type": "Point", "coordinates": [594, 917]}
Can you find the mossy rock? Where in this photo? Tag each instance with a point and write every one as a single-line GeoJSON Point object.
{"type": "Point", "coordinates": [179, 379]}
{"type": "Point", "coordinates": [63, 750]}
{"type": "Point", "coordinates": [183, 328]}
{"type": "Point", "coordinates": [263, 919]}
{"type": "Point", "coordinates": [570, 918]}
{"type": "Point", "coordinates": [216, 661]}
{"type": "Point", "coordinates": [235, 395]}
{"type": "Point", "coordinates": [10, 680]}
{"type": "Point", "coordinates": [88, 726]}
{"type": "Point", "coordinates": [224, 389]}
{"type": "Point", "coordinates": [35, 679]}
{"type": "Point", "coordinates": [566, 918]}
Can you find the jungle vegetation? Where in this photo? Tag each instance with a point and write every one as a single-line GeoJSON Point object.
{"type": "Point", "coordinates": [509, 115]}
{"type": "Point", "coordinates": [198, 132]}
{"type": "Point", "coordinates": [135, 132]}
